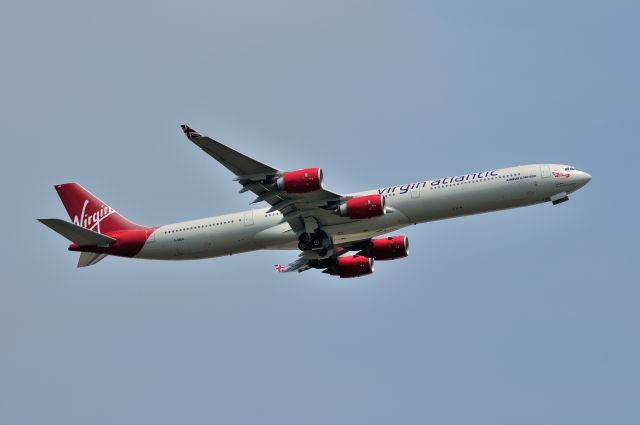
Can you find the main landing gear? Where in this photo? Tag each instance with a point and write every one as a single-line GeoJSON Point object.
{"type": "Point", "coordinates": [317, 241]}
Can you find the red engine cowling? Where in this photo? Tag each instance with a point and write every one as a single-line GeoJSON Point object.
{"type": "Point", "coordinates": [363, 207]}
{"type": "Point", "coordinates": [352, 266]}
{"type": "Point", "coordinates": [300, 181]}
{"type": "Point", "coordinates": [388, 248]}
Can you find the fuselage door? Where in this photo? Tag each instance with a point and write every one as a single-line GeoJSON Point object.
{"type": "Point", "coordinates": [415, 192]}
{"type": "Point", "coordinates": [544, 171]}
{"type": "Point", "coordinates": [248, 218]}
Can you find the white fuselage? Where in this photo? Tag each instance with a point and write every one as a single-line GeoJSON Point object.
{"type": "Point", "coordinates": [407, 204]}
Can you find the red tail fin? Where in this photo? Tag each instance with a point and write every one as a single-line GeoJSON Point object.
{"type": "Point", "coordinates": [89, 211]}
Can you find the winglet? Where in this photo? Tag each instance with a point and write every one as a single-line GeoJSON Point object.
{"type": "Point", "coordinates": [280, 268]}
{"type": "Point", "coordinates": [190, 132]}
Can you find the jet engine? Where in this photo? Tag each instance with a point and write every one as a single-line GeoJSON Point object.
{"type": "Point", "coordinates": [363, 207]}
{"type": "Point", "coordinates": [351, 266]}
{"type": "Point", "coordinates": [300, 181]}
{"type": "Point", "coordinates": [388, 248]}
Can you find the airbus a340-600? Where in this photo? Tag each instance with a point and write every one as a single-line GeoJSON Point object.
{"type": "Point", "coordinates": [341, 234]}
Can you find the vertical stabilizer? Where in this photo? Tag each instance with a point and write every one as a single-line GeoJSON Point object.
{"type": "Point", "coordinates": [88, 211]}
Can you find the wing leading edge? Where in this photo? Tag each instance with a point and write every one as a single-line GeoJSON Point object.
{"type": "Point", "coordinates": [260, 178]}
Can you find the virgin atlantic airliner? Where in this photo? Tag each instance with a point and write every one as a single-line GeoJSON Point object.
{"type": "Point", "coordinates": [339, 234]}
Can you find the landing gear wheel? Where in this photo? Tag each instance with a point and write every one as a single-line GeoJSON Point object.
{"type": "Point", "coordinates": [320, 240]}
{"type": "Point", "coordinates": [317, 241]}
{"type": "Point", "coordinates": [304, 243]}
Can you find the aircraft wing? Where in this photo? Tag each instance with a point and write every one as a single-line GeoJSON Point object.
{"type": "Point", "coordinates": [237, 163]}
{"type": "Point", "coordinates": [300, 264]}
{"type": "Point", "coordinates": [260, 178]}
{"type": "Point", "coordinates": [307, 260]}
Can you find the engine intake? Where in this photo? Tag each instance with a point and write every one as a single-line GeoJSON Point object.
{"type": "Point", "coordinates": [388, 248]}
{"type": "Point", "coordinates": [300, 181]}
{"type": "Point", "coordinates": [363, 207]}
{"type": "Point", "coordinates": [351, 266]}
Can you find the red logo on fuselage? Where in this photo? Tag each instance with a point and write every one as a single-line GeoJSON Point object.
{"type": "Point", "coordinates": [561, 175]}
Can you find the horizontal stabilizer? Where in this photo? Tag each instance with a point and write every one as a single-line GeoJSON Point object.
{"type": "Point", "coordinates": [89, 258]}
{"type": "Point", "coordinates": [76, 234]}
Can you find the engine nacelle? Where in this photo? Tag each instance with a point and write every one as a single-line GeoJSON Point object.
{"type": "Point", "coordinates": [300, 181]}
{"type": "Point", "coordinates": [388, 248]}
{"type": "Point", "coordinates": [351, 266]}
{"type": "Point", "coordinates": [363, 207]}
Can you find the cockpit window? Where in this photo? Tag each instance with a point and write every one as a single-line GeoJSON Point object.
{"type": "Point", "coordinates": [569, 168]}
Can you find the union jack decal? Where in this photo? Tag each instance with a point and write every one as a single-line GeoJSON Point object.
{"type": "Point", "coordinates": [190, 132]}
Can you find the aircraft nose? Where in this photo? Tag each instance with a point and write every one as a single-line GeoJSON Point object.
{"type": "Point", "coordinates": [584, 178]}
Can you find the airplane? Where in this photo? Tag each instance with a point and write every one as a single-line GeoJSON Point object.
{"type": "Point", "coordinates": [340, 234]}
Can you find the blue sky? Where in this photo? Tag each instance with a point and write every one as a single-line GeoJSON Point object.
{"type": "Point", "coordinates": [525, 316]}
